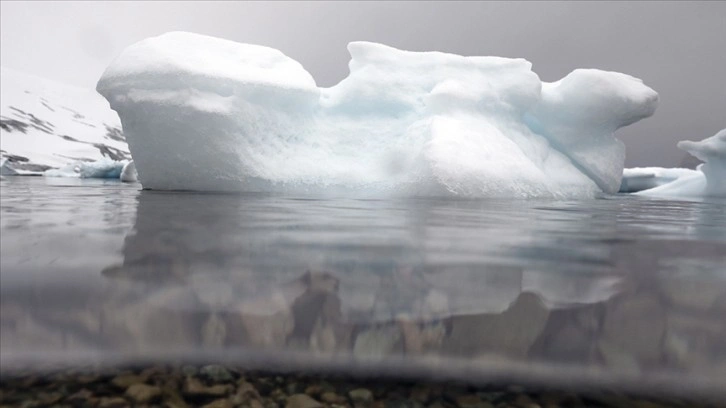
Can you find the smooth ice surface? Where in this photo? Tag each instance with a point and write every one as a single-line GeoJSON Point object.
{"type": "Point", "coordinates": [45, 124]}
{"type": "Point", "coordinates": [202, 113]}
{"type": "Point", "coordinates": [710, 177]}
{"type": "Point", "coordinates": [623, 291]}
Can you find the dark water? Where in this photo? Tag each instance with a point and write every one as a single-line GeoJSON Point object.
{"type": "Point", "coordinates": [622, 291]}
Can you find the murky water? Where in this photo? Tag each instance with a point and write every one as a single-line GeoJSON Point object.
{"type": "Point", "coordinates": [622, 291]}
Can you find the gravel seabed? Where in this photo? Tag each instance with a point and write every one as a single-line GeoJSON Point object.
{"type": "Point", "coordinates": [217, 386]}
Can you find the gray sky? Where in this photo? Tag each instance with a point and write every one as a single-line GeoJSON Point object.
{"type": "Point", "coordinates": [677, 48]}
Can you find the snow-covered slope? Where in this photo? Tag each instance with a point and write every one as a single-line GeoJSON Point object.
{"type": "Point", "coordinates": [45, 124]}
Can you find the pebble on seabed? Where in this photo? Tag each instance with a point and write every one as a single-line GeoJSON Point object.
{"type": "Point", "coordinates": [216, 386]}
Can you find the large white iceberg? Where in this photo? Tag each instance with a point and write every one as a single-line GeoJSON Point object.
{"type": "Point", "coordinates": [201, 113]}
{"type": "Point", "coordinates": [709, 180]}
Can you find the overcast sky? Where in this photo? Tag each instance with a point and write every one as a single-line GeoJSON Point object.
{"type": "Point", "coordinates": [678, 49]}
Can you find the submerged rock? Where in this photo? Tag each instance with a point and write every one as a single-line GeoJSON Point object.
{"type": "Point", "coordinates": [142, 393]}
{"type": "Point", "coordinates": [302, 401]}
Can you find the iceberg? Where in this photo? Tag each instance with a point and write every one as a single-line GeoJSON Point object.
{"type": "Point", "coordinates": [708, 180]}
{"type": "Point", "coordinates": [102, 169]}
{"type": "Point", "coordinates": [6, 170]}
{"type": "Point", "coordinates": [128, 172]}
{"type": "Point", "coordinates": [644, 178]}
{"type": "Point", "coordinates": [208, 114]}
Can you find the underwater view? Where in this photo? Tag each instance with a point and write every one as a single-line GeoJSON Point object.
{"type": "Point", "coordinates": [621, 290]}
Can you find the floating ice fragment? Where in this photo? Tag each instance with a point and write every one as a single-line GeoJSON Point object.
{"type": "Point", "coordinates": [644, 178]}
{"type": "Point", "coordinates": [103, 169]}
{"type": "Point", "coordinates": [128, 173]}
{"type": "Point", "coordinates": [6, 170]}
{"type": "Point", "coordinates": [710, 178]}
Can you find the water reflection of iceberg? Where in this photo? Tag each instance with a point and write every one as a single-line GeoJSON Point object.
{"type": "Point", "coordinates": [371, 281]}
{"type": "Point", "coordinates": [268, 273]}
{"type": "Point", "coordinates": [245, 247]}
{"type": "Point", "coordinates": [273, 274]}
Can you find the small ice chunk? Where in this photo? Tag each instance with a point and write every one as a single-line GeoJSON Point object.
{"type": "Point", "coordinates": [643, 178]}
{"type": "Point", "coordinates": [713, 152]}
{"type": "Point", "coordinates": [6, 170]}
{"type": "Point", "coordinates": [128, 173]}
{"type": "Point", "coordinates": [710, 177]}
{"type": "Point", "coordinates": [103, 169]}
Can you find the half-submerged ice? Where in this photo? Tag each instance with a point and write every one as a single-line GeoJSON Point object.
{"type": "Point", "coordinates": [201, 113]}
{"type": "Point", "coordinates": [709, 180]}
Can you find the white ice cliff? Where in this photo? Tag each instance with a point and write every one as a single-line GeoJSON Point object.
{"type": "Point", "coordinates": [709, 180]}
{"type": "Point", "coordinates": [201, 113]}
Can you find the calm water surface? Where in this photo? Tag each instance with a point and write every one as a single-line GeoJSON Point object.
{"type": "Point", "coordinates": [622, 291]}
